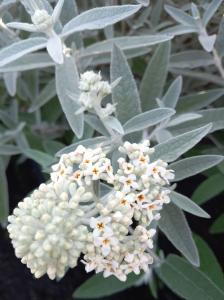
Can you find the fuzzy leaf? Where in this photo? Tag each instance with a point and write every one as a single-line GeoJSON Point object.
{"type": "Point", "coordinates": [187, 205]}
{"type": "Point", "coordinates": [180, 16]}
{"type": "Point", "coordinates": [172, 95]}
{"type": "Point", "coordinates": [209, 264]}
{"type": "Point", "coordinates": [214, 116]}
{"type": "Point", "coordinates": [97, 286]}
{"type": "Point", "coordinates": [147, 119]}
{"type": "Point", "coordinates": [175, 227]}
{"type": "Point", "coordinates": [210, 11]}
{"type": "Point", "coordinates": [19, 49]}
{"type": "Point", "coordinates": [191, 59]}
{"type": "Point", "coordinates": [99, 18]}
{"type": "Point", "coordinates": [48, 92]}
{"type": "Point", "coordinates": [45, 160]}
{"type": "Point", "coordinates": [178, 145]}
{"type": "Point", "coordinates": [199, 100]}
{"type": "Point", "coordinates": [209, 189]}
{"type": "Point", "coordinates": [67, 80]}
{"type": "Point", "coordinates": [125, 94]}
{"type": "Point", "coordinates": [218, 225]}
{"type": "Point", "coordinates": [193, 165]}
{"type": "Point", "coordinates": [9, 150]}
{"type": "Point", "coordinates": [187, 281]}
{"type": "Point", "coordinates": [124, 43]}
{"type": "Point", "coordinates": [154, 77]}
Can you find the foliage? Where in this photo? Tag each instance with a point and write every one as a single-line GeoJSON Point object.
{"type": "Point", "coordinates": [164, 62]}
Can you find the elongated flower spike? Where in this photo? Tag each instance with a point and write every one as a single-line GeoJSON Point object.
{"type": "Point", "coordinates": [114, 233]}
{"type": "Point", "coordinates": [44, 22]}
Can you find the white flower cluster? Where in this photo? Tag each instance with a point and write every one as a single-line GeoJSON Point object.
{"type": "Point", "coordinates": [93, 90]}
{"type": "Point", "coordinates": [67, 217]}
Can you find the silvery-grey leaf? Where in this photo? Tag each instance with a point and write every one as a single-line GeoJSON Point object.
{"type": "Point", "coordinates": [67, 79]}
{"type": "Point", "coordinates": [114, 124]}
{"type": "Point", "coordinates": [219, 45]}
{"type": "Point", "coordinates": [191, 166]}
{"type": "Point", "coordinates": [207, 41]}
{"type": "Point", "coordinates": [125, 43]}
{"type": "Point", "coordinates": [210, 11]}
{"type": "Point", "coordinates": [44, 159]}
{"type": "Point", "coordinates": [29, 62]}
{"type": "Point", "coordinates": [125, 95]}
{"type": "Point", "coordinates": [175, 227]}
{"type": "Point", "coordinates": [195, 11]}
{"type": "Point", "coordinates": [162, 135]}
{"type": "Point", "coordinates": [179, 30]}
{"type": "Point", "coordinates": [178, 119]}
{"type": "Point", "coordinates": [23, 26]}
{"type": "Point", "coordinates": [191, 59]}
{"type": "Point", "coordinates": [155, 76]}
{"type": "Point", "coordinates": [214, 116]}
{"type": "Point", "coordinates": [180, 16]}
{"type": "Point", "coordinates": [172, 95]}
{"type": "Point", "coordinates": [48, 92]}
{"type": "Point", "coordinates": [199, 100]}
{"type": "Point", "coordinates": [10, 80]}
{"type": "Point", "coordinates": [19, 49]}
{"type": "Point", "coordinates": [144, 2]}
{"type": "Point", "coordinates": [57, 11]}
{"type": "Point", "coordinates": [147, 119]}
{"type": "Point", "coordinates": [188, 205]}
{"type": "Point", "coordinates": [178, 145]}
{"type": "Point", "coordinates": [99, 18]}
{"type": "Point", "coordinates": [9, 150]}
{"type": "Point", "coordinates": [96, 123]}
{"type": "Point", "coordinates": [55, 49]}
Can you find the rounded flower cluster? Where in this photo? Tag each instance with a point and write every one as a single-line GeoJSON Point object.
{"type": "Point", "coordinates": [68, 216]}
{"type": "Point", "coordinates": [93, 90]}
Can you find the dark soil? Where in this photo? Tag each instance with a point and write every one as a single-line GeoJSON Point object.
{"type": "Point", "coordinates": [16, 282]}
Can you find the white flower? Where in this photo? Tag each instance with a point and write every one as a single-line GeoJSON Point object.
{"type": "Point", "coordinates": [106, 242]}
{"type": "Point", "coordinates": [129, 182]}
{"type": "Point", "coordinates": [100, 226]}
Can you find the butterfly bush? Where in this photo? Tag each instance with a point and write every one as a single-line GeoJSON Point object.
{"type": "Point", "coordinates": [111, 177]}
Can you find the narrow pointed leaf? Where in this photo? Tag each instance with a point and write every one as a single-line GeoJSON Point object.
{"type": "Point", "coordinates": [45, 160]}
{"type": "Point", "coordinates": [180, 16]}
{"type": "Point", "coordinates": [178, 145]}
{"type": "Point", "coordinates": [218, 225]}
{"type": "Point", "coordinates": [55, 49]}
{"type": "Point", "coordinates": [97, 286]}
{"type": "Point", "coordinates": [174, 225]}
{"type": "Point", "coordinates": [67, 79]}
{"type": "Point", "coordinates": [193, 165]}
{"type": "Point", "coordinates": [147, 119]}
{"type": "Point", "coordinates": [19, 49]}
{"type": "Point", "coordinates": [57, 10]}
{"type": "Point", "coordinates": [209, 264]}
{"type": "Point", "coordinates": [125, 94]}
{"type": "Point", "coordinates": [154, 77]}
{"type": "Point", "coordinates": [99, 18]}
{"type": "Point", "coordinates": [172, 95]}
{"type": "Point", "coordinates": [210, 11]}
{"type": "Point", "coordinates": [22, 26]}
{"type": "Point", "coordinates": [188, 205]}
{"type": "Point", "coordinates": [187, 281]}
{"type": "Point", "coordinates": [208, 189]}
{"type": "Point", "coordinates": [199, 100]}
